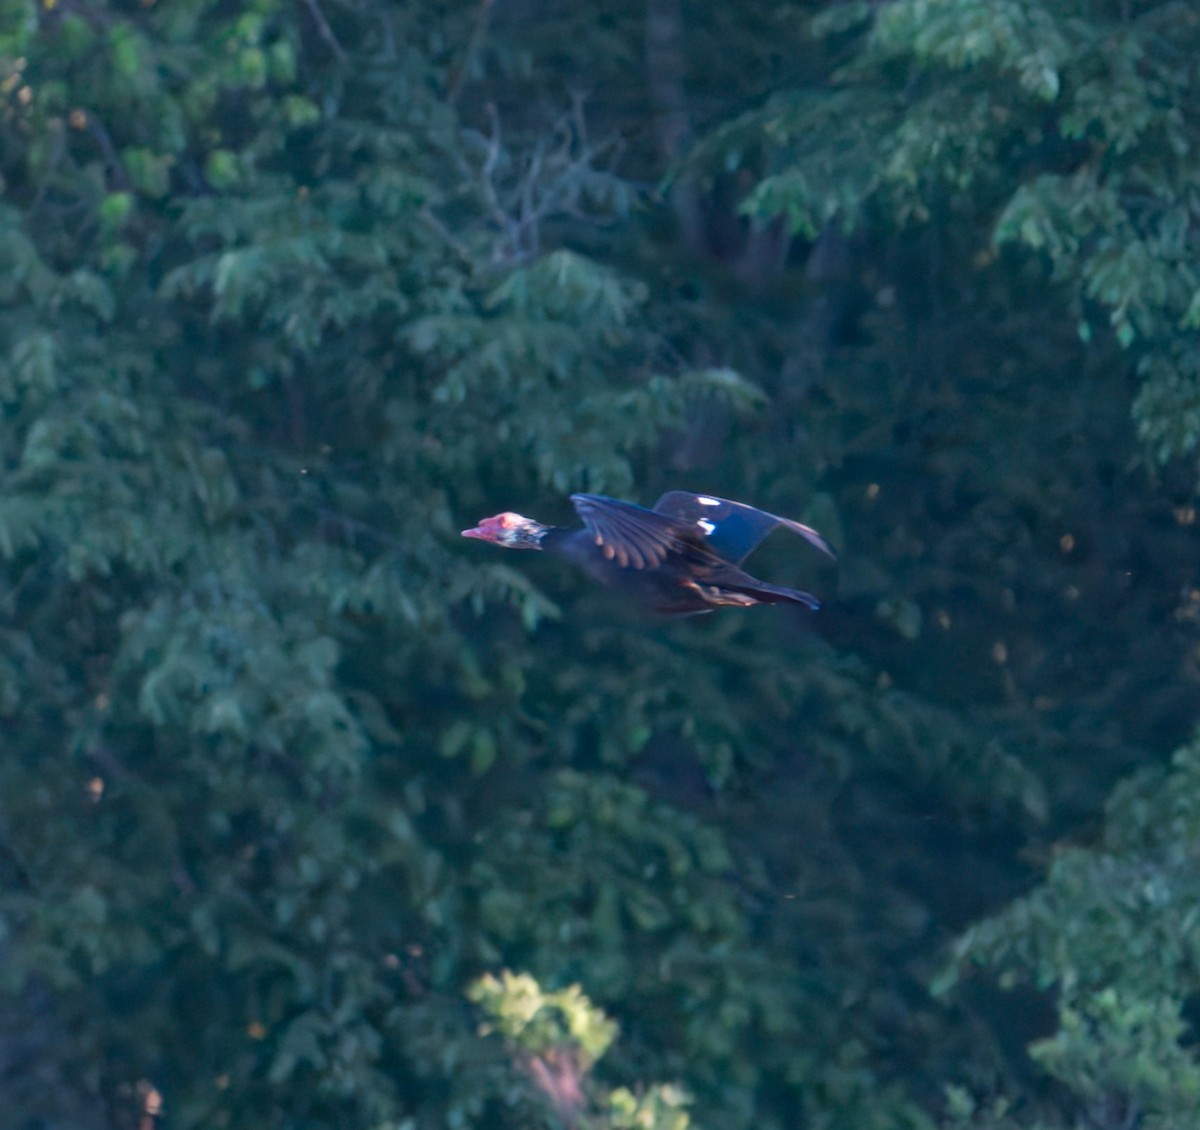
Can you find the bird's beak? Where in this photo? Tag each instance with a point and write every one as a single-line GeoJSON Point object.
{"type": "Point", "coordinates": [478, 532]}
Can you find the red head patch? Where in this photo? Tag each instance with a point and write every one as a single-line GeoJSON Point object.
{"type": "Point", "coordinates": [496, 527]}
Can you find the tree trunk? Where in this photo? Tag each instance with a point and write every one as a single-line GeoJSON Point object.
{"type": "Point", "coordinates": [668, 99]}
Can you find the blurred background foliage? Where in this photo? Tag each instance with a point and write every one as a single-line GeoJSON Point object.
{"type": "Point", "coordinates": [313, 815]}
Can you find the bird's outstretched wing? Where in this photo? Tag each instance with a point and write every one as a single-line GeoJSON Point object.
{"type": "Point", "coordinates": [732, 530]}
{"type": "Point", "coordinates": [631, 535]}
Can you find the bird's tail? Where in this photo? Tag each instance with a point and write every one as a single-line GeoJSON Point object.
{"type": "Point", "coordinates": [765, 593]}
{"type": "Point", "coordinates": [749, 590]}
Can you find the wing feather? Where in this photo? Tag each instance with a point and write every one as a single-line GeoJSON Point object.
{"type": "Point", "coordinates": [636, 538]}
{"type": "Point", "coordinates": [732, 530]}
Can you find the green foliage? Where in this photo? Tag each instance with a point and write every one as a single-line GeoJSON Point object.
{"type": "Point", "coordinates": [1068, 131]}
{"type": "Point", "coordinates": [294, 292]}
{"type": "Point", "coordinates": [248, 372]}
{"type": "Point", "coordinates": [537, 1021]}
{"type": "Point", "coordinates": [558, 1038]}
{"type": "Point", "coordinates": [1113, 929]}
{"type": "Point", "coordinates": [661, 1107]}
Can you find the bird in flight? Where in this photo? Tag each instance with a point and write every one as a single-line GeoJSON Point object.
{"type": "Point", "coordinates": [681, 558]}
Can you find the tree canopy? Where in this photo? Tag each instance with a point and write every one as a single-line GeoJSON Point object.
{"type": "Point", "coordinates": [312, 814]}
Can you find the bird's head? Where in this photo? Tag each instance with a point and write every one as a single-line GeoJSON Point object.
{"type": "Point", "coordinates": [513, 531]}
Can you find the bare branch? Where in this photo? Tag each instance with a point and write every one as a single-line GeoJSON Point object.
{"type": "Point", "coordinates": [326, 32]}
{"type": "Point", "coordinates": [479, 32]}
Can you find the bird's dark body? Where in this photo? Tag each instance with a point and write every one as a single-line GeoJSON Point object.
{"type": "Point", "coordinates": [680, 558]}
{"type": "Point", "coordinates": [689, 582]}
